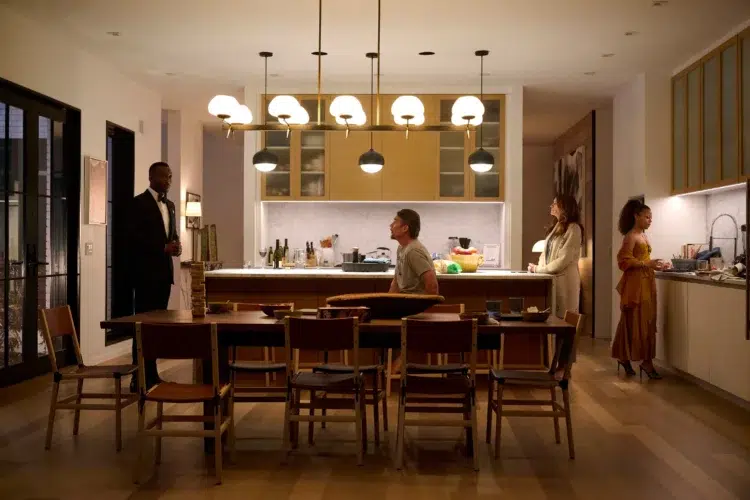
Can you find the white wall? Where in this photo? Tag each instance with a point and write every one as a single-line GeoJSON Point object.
{"type": "Point", "coordinates": [603, 186]}
{"type": "Point", "coordinates": [366, 225]}
{"type": "Point", "coordinates": [48, 62]}
{"type": "Point", "coordinates": [513, 207]}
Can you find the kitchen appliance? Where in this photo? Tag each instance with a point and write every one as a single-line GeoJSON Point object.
{"type": "Point", "coordinates": [464, 242]}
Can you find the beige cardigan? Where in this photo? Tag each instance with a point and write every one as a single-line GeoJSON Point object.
{"type": "Point", "coordinates": [563, 265]}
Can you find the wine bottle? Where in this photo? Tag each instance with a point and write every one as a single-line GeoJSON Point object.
{"type": "Point", "coordinates": [276, 255]}
{"type": "Point", "coordinates": [285, 255]}
{"type": "Point", "coordinates": [270, 256]}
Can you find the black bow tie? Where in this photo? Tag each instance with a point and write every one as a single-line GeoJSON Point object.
{"type": "Point", "coordinates": [162, 197]}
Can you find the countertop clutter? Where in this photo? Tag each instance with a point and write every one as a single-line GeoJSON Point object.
{"type": "Point", "coordinates": [691, 277]}
{"type": "Point", "coordinates": [337, 273]}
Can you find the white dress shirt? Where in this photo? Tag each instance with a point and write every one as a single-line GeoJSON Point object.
{"type": "Point", "coordinates": [163, 209]}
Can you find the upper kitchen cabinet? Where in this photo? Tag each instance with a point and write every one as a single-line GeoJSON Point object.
{"type": "Point", "coordinates": [744, 46]}
{"type": "Point", "coordinates": [302, 171]}
{"type": "Point", "coordinates": [348, 181]}
{"type": "Point", "coordinates": [488, 186]}
{"type": "Point", "coordinates": [709, 109]}
{"type": "Point", "coordinates": [453, 181]}
{"type": "Point", "coordinates": [411, 163]}
{"type": "Point", "coordinates": [679, 133]}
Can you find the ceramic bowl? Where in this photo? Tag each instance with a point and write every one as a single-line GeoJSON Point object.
{"type": "Point", "coordinates": [268, 309]}
{"type": "Point", "coordinates": [535, 317]}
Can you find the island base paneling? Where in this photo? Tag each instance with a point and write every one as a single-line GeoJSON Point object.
{"type": "Point", "coordinates": [312, 292]}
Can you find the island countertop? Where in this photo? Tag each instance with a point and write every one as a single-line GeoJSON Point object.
{"type": "Point", "coordinates": [337, 273]}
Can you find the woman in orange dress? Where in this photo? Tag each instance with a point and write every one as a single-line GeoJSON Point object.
{"type": "Point", "coordinates": [635, 338]}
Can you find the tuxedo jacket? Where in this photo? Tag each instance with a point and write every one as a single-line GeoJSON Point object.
{"type": "Point", "coordinates": [150, 264]}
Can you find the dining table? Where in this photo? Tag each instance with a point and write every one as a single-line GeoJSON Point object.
{"type": "Point", "coordinates": [255, 329]}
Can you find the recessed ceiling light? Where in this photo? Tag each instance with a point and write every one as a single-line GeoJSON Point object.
{"type": "Point", "coordinates": [659, 3]}
{"type": "Point", "coordinates": [114, 33]}
{"type": "Point", "coordinates": [631, 33]}
{"type": "Point", "coordinates": [590, 73]}
{"type": "Point", "coordinates": [427, 53]}
{"type": "Point", "coordinates": [608, 54]}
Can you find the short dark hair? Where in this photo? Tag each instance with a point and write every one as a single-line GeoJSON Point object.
{"type": "Point", "coordinates": [411, 219]}
{"type": "Point", "coordinates": [156, 165]}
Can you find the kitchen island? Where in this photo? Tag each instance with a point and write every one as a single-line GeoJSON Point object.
{"type": "Point", "coordinates": [309, 288]}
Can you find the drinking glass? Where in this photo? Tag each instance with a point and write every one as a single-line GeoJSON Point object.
{"type": "Point", "coordinates": [263, 252]}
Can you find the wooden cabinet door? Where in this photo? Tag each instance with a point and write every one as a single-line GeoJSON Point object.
{"type": "Point", "coordinates": [675, 325]}
{"type": "Point", "coordinates": [453, 180]}
{"type": "Point", "coordinates": [348, 181]}
{"type": "Point", "coordinates": [711, 124]}
{"type": "Point", "coordinates": [679, 134]}
{"type": "Point", "coordinates": [694, 133]}
{"type": "Point", "coordinates": [489, 186]}
{"type": "Point", "coordinates": [701, 298]}
{"type": "Point", "coordinates": [745, 97]}
{"type": "Point", "coordinates": [411, 164]}
{"type": "Point", "coordinates": [730, 126]}
{"type": "Point", "coordinates": [730, 350]}
{"type": "Point", "coordinates": [313, 175]}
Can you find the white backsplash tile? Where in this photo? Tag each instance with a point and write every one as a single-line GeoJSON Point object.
{"type": "Point", "coordinates": [365, 225]}
{"type": "Point", "coordinates": [726, 202]}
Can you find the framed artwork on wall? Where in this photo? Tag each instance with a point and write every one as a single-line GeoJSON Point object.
{"type": "Point", "coordinates": [95, 173]}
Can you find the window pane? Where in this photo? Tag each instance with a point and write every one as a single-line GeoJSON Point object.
{"type": "Point", "coordinates": [45, 156]}
{"type": "Point", "coordinates": [16, 247]}
{"type": "Point", "coordinates": [15, 320]}
{"type": "Point", "coordinates": [15, 132]}
{"type": "Point", "coordinates": [3, 145]}
{"type": "Point", "coordinates": [52, 292]}
{"type": "Point", "coordinates": [58, 168]}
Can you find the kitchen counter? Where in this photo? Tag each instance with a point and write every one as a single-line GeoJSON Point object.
{"type": "Point", "coordinates": [337, 273]}
{"type": "Point", "coordinates": [704, 280]}
{"type": "Point", "coordinates": [310, 288]}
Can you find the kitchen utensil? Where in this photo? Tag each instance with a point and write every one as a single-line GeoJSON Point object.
{"type": "Point", "coordinates": [347, 257]}
{"type": "Point", "coordinates": [464, 242]}
{"type": "Point", "coordinates": [684, 265]}
{"type": "Point", "coordinates": [717, 263]}
{"type": "Point", "coordinates": [703, 265]}
{"type": "Point", "coordinates": [468, 263]}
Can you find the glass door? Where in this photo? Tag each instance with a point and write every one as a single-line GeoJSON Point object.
{"type": "Point", "coordinates": [34, 226]}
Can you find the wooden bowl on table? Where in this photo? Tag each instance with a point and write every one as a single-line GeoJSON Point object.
{"type": "Point", "coordinates": [268, 309]}
{"type": "Point", "coordinates": [359, 312]}
{"type": "Point", "coordinates": [535, 317]}
{"type": "Point", "coordinates": [387, 305]}
{"type": "Point", "coordinates": [286, 313]}
{"type": "Point", "coordinates": [482, 317]}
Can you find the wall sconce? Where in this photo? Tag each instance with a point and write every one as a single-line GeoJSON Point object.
{"type": "Point", "coordinates": [193, 214]}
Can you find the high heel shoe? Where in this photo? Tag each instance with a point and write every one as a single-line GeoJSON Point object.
{"type": "Point", "coordinates": [627, 367]}
{"type": "Point", "coordinates": [652, 375]}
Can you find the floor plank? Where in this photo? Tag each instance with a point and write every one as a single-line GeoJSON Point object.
{"type": "Point", "coordinates": [656, 439]}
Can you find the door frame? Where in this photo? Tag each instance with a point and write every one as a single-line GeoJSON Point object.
{"type": "Point", "coordinates": [35, 105]}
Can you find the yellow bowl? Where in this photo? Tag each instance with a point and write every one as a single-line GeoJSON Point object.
{"type": "Point", "coordinates": [468, 263]}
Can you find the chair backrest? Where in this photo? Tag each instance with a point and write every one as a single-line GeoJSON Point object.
{"type": "Point", "coordinates": [58, 322]}
{"type": "Point", "coordinates": [175, 341]}
{"type": "Point", "coordinates": [336, 334]}
{"type": "Point", "coordinates": [565, 351]}
{"type": "Point", "coordinates": [448, 337]}
{"type": "Point", "coordinates": [446, 308]}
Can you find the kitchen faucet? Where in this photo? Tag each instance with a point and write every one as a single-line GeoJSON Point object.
{"type": "Point", "coordinates": [736, 233]}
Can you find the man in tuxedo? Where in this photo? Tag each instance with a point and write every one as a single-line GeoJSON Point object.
{"type": "Point", "coordinates": [153, 244]}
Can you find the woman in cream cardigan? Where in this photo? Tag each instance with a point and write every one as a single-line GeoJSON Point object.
{"type": "Point", "coordinates": [562, 249]}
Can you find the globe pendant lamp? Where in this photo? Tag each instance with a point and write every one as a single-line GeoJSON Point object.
{"type": "Point", "coordinates": [264, 160]}
{"type": "Point", "coordinates": [345, 107]}
{"type": "Point", "coordinates": [481, 161]}
{"type": "Point", "coordinates": [371, 161]}
{"type": "Point", "coordinates": [240, 116]}
{"type": "Point", "coordinates": [407, 107]}
{"type": "Point", "coordinates": [223, 106]}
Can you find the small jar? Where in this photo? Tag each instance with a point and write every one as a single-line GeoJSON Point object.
{"type": "Point", "coordinates": [355, 255]}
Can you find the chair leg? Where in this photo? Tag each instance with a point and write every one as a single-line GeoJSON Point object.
{"type": "Point", "coordinates": [556, 419]}
{"type": "Point", "coordinates": [118, 414]}
{"type": "Point", "coordinates": [52, 410]}
{"type": "Point", "coordinates": [77, 414]}
{"type": "Point", "coordinates": [358, 413]}
{"type": "Point", "coordinates": [141, 441]}
{"type": "Point", "coordinates": [375, 412]}
{"type": "Point", "coordinates": [287, 425]}
{"type": "Point", "coordinates": [400, 431]}
{"type": "Point", "coordinates": [295, 425]}
{"type": "Point", "coordinates": [388, 372]}
{"type": "Point", "coordinates": [384, 396]}
{"type": "Point", "coordinates": [569, 423]}
{"type": "Point", "coordinates": [488, 431]}
{"type": "Point", "coordinates": [363, 411]}
{"type": "Point", "coordinates": [218, 451]}
{"type": "Point", "coordinates": [232, 438]}
{"type": "Point", "coordinates": [159, 426]}
{"type": "Point", "coordinates": [266, 359]}
{"type": "Point", "coordinates": [474, 431]}
{"type": "Point", "coordinates": [499, 422]}
{"type": "Point", "coordinates": [311, 424]}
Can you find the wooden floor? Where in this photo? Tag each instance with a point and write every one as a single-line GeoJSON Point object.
{"type": "Point", "coordinates": [656, 440]}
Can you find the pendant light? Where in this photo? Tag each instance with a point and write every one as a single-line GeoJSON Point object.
{"type": "Point", "coordinates": [264, 160]}
{"type": "Point", "coordinates": [223, 106]}
{"type": "Point", "coordinates": [371, 161]}
{"type": "Point", "coordinates": [481, 161]}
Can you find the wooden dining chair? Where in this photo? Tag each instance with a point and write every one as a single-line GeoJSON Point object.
{"type": "Point", "coordinates": [393, 370]}
{"type": "Point", "coordinates": [455, 393]}
{"type": "Point", "coordinates": [56, 323]}
{"type": "Point", "coordinates": [546, 380]}
{"type": "Point", "coordinates": [174, 341]}
{"type": "Point", "coordinates": [268, 366]}
{"type": "Point", "coordinates": [323, 335]}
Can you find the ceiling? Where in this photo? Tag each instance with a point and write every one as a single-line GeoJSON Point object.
{"type": "Point", "coordinates": [200, 47]}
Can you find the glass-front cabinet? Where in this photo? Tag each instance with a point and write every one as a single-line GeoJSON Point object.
{"type": "Point", "coordinates": [452, 169]}
{"type": "Point", "coordinates": [302, 171]}
{"type": "Point", "coordinates": [490, 136]}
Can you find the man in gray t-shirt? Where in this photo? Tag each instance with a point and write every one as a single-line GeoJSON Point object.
{"type": "Point", "coordinates": [415, 272]}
